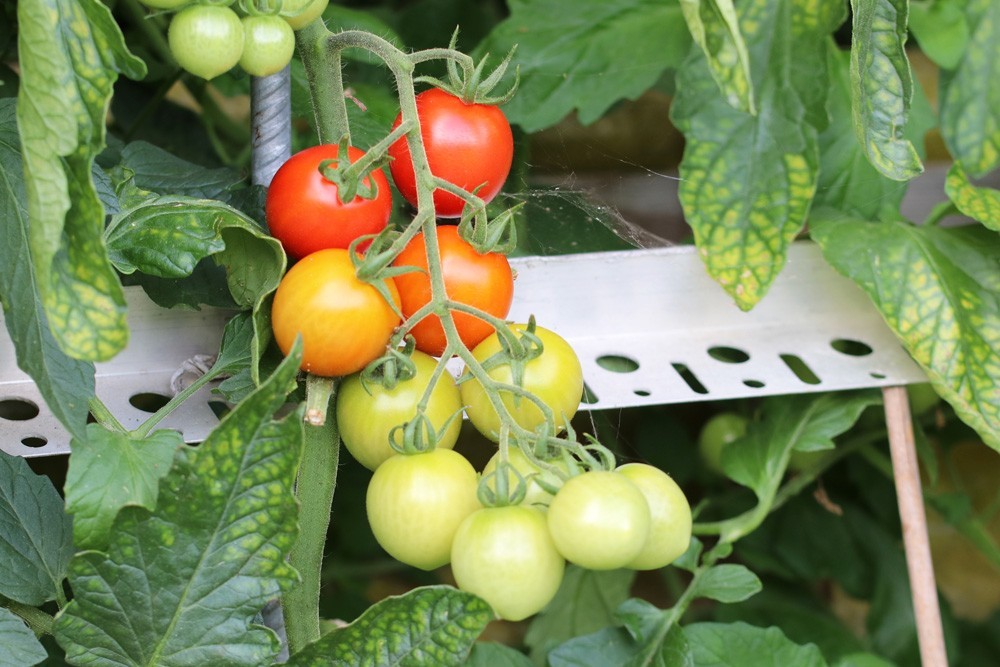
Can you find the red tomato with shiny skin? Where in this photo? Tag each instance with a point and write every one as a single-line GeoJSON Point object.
{"type": "Point", "coordinates": [344, 322]}
{"type": "Point", "coordinates": [303, 209]}
{"type": "Point", "coordinates": [470, 145]}
{"type": "Point", "coordinates": [483, 281]}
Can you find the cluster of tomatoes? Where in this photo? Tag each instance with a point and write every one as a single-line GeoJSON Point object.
{"type": "Point", "coordinates": [210, 38]}
{"type": "Point", "coordinates": [425, 505]}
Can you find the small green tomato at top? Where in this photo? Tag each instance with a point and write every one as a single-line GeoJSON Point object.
{"type": "Point", "coordinates": [506, 556]}
{"type": "Point", "coordinates": [599, 520]}
{"type": "Point", "coordinates": [720, 430]}
{"type": "Point", "coordinates": [300, 13]}
{"type": "Point", "coordinates": [206, 40]}
{"type": "Point", "coordinates": [670, 516]}
{"type": "Point", "coordinates": [268, 45]}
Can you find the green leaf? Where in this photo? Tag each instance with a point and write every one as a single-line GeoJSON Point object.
{"type": "Point", "coordinates": [742, 645]}
{"type": "Point", "coordinates": [433, 626]}
{"type": "Point", "coordinates": [882, 87]}
{"type": "Point", "coordinates": [236, 355]}
{"type": "Point", "coordinates": [182, 584]}
{"type": "Point", "coordinates": [970, 98]}
{"type": "Point", "coordinates": [65, 383]}
{"type": "Point", "coordinates": [584, 55]}
{"type": "Point", "coordinates": [492, 654]}
{"type": "Point", "coordinates": [982, 204]}
{"type": "Point", "coordinates": [159, 171]}
{"type": "Point", "coordinates": [586, 601]}
{"type": "Point", "coordinates": [608, 646]}
{"type": "Point", "coordinates": [939, 291]}
{"type": "Point", "coordinates": [36, 535]}
{"type": "Point", "coordinates": [862, 660]}
{"type": "Point", "coordinates": [715, 29]}
{"type": "Point", "coordinates": [134, 468]}
{"type": "Point", "coordinates": [941, 30]}
{"type": "Point", "coordinates": [728, 583]}
{"type": "Point", "coordinates": [641, 618]}
{"type": "Point", "coordinates": [747, 181]}
{"type": "Point", "coordinates": [20, 646]}
{"type": "Point", "coordinates": [847, 180]}
{"type": "Point", "coordinates": [70, 53]}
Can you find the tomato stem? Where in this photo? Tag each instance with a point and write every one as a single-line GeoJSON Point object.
{"type": "Point", "coordinates": [315, 486]}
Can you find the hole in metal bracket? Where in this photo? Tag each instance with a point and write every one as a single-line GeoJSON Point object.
{"type": "Point", "coordinates": [148, 401]}
{"type": "Point", "coordinates": [589, 397]}
{"type": "Point", "coordinates": [753, 384]}
{"type": "Point", "coordinates": [690, 378]}
{"type": "Point", "coordinates": [641, 392]}
{"type": "Point", "coordinates": [728, 355]}
{"type": "Point", "coordinates": [852, 348]}
{"type": "Point", "coordinates": [800, 368]}
{"type": "Point", "coordinates": [18, 409]}
{"type": "Point", "coordinates": [617, 363]}
{"type": "Point", "coordinates": [34, 441]}
{"type": "Point", "coordinates": [877, 375]}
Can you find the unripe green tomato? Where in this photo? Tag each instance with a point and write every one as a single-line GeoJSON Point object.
{"type": "Point", "coordinates": [719, 431]}
{"type": "Point", "coordinates": [366, 416]}
{"type": "Point", "coordinates": [599, 520]}
{"type": "Point", "coordinates": [534, 495]}
{"type": "Point", "coordinates": [300, 13]}
{"type": "Point", "coordinates": [506, 556]}
{"type": "Point", "coordinates": [268, 45]}
{"type": "Point", "coordinates": [416, 502]}
{"type": "Point", "coordinates": [670, 516]}
{"type": "Point", "coordinates": [206, 40]}
{"type": "Point", "coordinates": [555, 377]}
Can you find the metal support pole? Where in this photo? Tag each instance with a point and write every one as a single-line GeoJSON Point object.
{"type": "Point", "coordinates": [923, 588]}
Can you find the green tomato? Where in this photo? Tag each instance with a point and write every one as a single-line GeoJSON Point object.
{"type": "Point", "coordinates": [206, 40]}
{"type": "Point", "coordinates": [599, 520]}
{"type": "Point", "coordinates": [670, 516]}
{"type": "Point", "coordinates": [300, 13]}
{"type": "Point", "coordinates": [366, 416]}
{"type": "Point", "coordinates": [535, 495]}
{"type": "Point", "coordinates": [720, 430]}
{"type": "Point", "coordinates": [268, 45]}
{"type": "Point", "coordinates": [416, 502]}
{"type": "Point", "coordinates": [506, 556]}
{"type": "Point", "coordinates": [555, 376]}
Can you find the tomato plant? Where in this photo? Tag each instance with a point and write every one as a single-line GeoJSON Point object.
{"type": "Point", "coordinates": [344, 323]}
{"type": "Point", "coordinates": [555, 377]}
{"type": "Point", "coordinates": [483, 281]}
{"type": "Point", "coordinates": [268, 45]}
{"type": "Point", "coordinates": [304, 210]}
{"type": "Point", "coordinates": [468, 145]}
{"type": "Point", "coordinates": [506, 556]}
{"type": "Point", "coordinates": [299, 13]}
{"type": "Point", "coordinates": [536, 495]}
{"type": "Point", "coordinates": [669, 516]}
{"type": "Point", "coordinates": [416, 502]}
{"type": "Point", "coordinates": [600, 520]}
{"type": "Point", "coordinates": [368, 412]}
{"type": "Point", "coordinates": [206, 40]}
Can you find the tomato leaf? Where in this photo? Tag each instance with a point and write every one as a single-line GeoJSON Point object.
{"type": "Point", "coordinates": [162, 172]}
{"type": "Point", "coordinates": [66, 383]}
{"type": "Point", "coordinates": [585, 602]}
{"type": "Point", "coordinates": [70, 53]}
{"type": "Point", "coordinates": [939, 291]}
{"type": "Point", "coordinates": [21, 647]}
{"type": "Point", "coordinates": [847, 180]}
{"type": "Point", "coordinates": [240, 346]}
{"type": "Point", "coordinates": [982, 204]}
{"type": "Point", "coordinates": [882, 87]}
{"type": "Point", "coordinates": [715, 29]}
{"type": "Point", "coordinates": [190, 576]}
{"type": "Point", "coordinates": [740, 644]}
{"type": "Point", "coordinates": [608, 646]}
{"type": "Point", "coordinates": [728, 582]}
{"type": "Point", "coordinates": [584, 56]}
{"type": "Point", "coordinates": [941, 30]}
{"type": "Point", "coordinates": [429, 626]}
{"type": "Point", "coordinates": [492, 654]}
{"type": "Point", "coordinates": [135, 465]}
{"type": "Point", "coordinates": [970, 100]}
{"type": "Point", "coordinates": [36, 538]}
{"type": "Point", "coordinates": [747, 181]}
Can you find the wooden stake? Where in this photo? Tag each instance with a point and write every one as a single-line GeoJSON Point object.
{"type": "Point", "coordinates": [909, 496]}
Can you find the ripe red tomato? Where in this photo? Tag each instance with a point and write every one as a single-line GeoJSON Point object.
{"type": "Point", "coordinates": [303, 209]}
{"type": "Point", "coordinates": [470, 145]}
{"type": "Point", "coordinates": [344, 322]}
{"type": "Point", "coordinates": [506, 556]}
{"type": "Point", "coordinates": [482, 281]}
{"type": "Point", "coordinates": [416, 502]}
